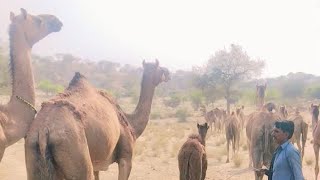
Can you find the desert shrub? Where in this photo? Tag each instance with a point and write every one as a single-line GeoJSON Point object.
{"type": "Point", "coordinates": [155, 115]}
{"type": "Point", "coordinates": [308, 160]}
{"type": "Point", "coordinates": [237, 161]}
{"type": "Point", "coordinates": [173, 101]}
{"type": "Point", "coordinates": [182, 114]}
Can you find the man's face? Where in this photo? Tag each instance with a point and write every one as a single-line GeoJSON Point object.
{"type": "Point", "coordinates": [279, 136]}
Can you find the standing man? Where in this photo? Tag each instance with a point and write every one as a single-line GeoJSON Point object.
{"type": "Point", "coordinates": [286, 160]}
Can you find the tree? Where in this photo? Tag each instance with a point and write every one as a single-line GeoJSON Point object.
{"type": "Point", "coordinates": [229, 67]}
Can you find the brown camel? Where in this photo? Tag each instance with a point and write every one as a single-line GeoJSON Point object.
{"type": "Point", "coordinates": [316, 137]}
{"type": "Point", "coordinates": [232, 128]}
{"type": "Point", "coordinates": [258, 129]}
{"type": "Point", "coordinates": [83, 131]}
{"type": "Point", "coordinates": [260, 94]}
{"type": "Point", "coordinates": [314, 109]}
{"type": "Point", "coordinates": [192, 156]}
{"type": "Point", "coordinates": [300, 131]}
{"type": "Point", "coordinates": [283, 112]}
{"type": "Point", "coordinates": [241, 116]}
{"type": "Point", "coordinates": [209, 116]}
{"type": "Point", "coordinates": [16, 116]}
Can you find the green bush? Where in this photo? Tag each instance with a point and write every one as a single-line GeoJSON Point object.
{"type": "Point", "coordinates": [196, 99]}
{"type": "Point", "coordinates": [48, 87]}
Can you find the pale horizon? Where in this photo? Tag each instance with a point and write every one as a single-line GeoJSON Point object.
{"type": "Point", "coordinates": [181, 34]}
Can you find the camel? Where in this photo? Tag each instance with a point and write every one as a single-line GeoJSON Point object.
{"type": "Point", "coordinates": [241, 116]}
{"type": "Point", "coordinates": [260, 143]}
{"type": "Point", "coordinates": [232, 128]}
{"type": "Point", "coordinates": [83, 130]}
{"type": "Point", "coordinates": [16, 116]}
{"type": "Point", "coordinates": [300, 131]}
{"type": "Point", "coordinates": [316, 137]}
{"type": "Point", "coordinates": [192, 156]}
{"type": "Point", "coordinates": [314, 109]}
{"type": "Point", "coordinates": [209, 116]}
{"type": "Point", "coordinates": [260, 94]}
{"type": "Point", "coordinates": [283, 112]}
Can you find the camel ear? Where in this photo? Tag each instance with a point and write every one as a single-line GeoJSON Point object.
{"type": "Point", "coordinates": [157, 62]}
{"type": "Point", "coordinates": [24, 13]}
{"type": "Point", "coordinates": [12, 16]}
{"type": "Point", "coordinates": [206, 125]}
{"type": "Point", "coordinates": [198, 125]}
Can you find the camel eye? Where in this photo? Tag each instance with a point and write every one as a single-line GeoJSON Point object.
{"type": "Point", "coordinates": [38, 21]}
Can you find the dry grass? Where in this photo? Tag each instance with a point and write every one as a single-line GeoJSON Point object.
{"type": "Point", "coordinates": [237, 160]}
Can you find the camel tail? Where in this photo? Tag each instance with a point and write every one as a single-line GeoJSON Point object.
{"type": "Point", "coordinates": [45, 166]}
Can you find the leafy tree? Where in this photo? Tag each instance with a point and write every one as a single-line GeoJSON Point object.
{"type": "Point", "coordinates": [226, 68]}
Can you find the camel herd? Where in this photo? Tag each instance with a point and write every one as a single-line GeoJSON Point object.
{"type": "Point", "coordinates": [83, 130]}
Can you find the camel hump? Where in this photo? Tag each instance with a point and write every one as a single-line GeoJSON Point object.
{"type": "Point", "coordinates": [76, 79]}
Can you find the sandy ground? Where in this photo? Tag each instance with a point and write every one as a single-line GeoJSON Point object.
{"type": "Point", "coordinates": [156, 159]}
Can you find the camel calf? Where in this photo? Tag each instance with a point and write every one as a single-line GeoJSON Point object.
{"type": "Point", "coordinates": [192, 156]}
{"type": "Point", "coordinates": [232, 133]}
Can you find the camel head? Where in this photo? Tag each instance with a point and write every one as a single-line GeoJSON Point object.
{"type": "Point", "coordinates": [34, 28]}
{"type": "Point", "coordinates": [155, 73]}
{"type": "Point", "coordinates": [261, 90]}
{"type": "Point", "coordinates": [203, 129]}
{"type": "Point", "coordinates": [282, 109]}
{"type": "Point", "coordinates": [270, 106]}
{"type": "Point", "coordinates": [315, 110]}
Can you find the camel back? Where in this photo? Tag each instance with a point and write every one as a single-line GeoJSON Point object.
{"type": "Point", "coordinates": [80, 85]}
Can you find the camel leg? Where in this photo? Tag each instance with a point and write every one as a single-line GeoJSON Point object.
{"type": "Point", "coordinates": [3, 143]}
{"type": "Point", "coordinates": [316, 153]}
{"type": "Point", "coordinates": [204, 166]}
{"type": "Point", "coordinates": [124, 166]}
{"type": "Point", "coordinates": [234, 143]}
{"type": "Point", "coordinates": [250, 157]}
{"type": "Point", "coordinates": [299, 145]}
{"type": "Point", "coordinates": [96, 175]}
{"type": "Point", "coordinates": [256, 160]}
{"type": "Point", "coordinates": [303, 145]}
{"type": "Point", "coordinates": [228, 142]}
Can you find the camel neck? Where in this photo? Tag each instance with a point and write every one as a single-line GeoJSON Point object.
{"type": "Point", "coordinates": [20, 113]}
{"type": "Point", "coordinates": [21, 70]}
{"type": "Point", "coordinates": [140, 116]}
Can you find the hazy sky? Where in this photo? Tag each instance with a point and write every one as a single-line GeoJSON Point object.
{"type": "Point", "coordinates": [181, 33]}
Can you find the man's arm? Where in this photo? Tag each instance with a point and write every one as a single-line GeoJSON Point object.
{"type": "Point", "coordinates": [294, 160]}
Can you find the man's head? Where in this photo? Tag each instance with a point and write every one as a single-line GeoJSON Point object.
{"type": "Point", "coordinates": [282, 131]}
